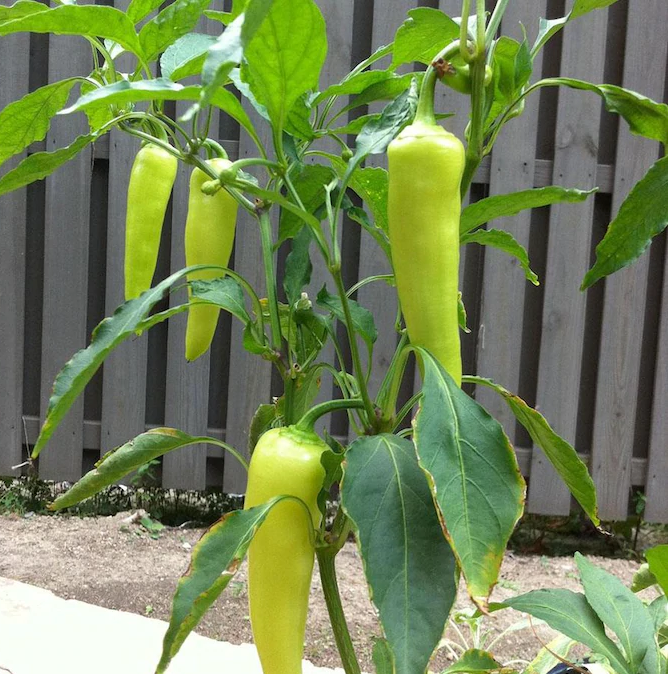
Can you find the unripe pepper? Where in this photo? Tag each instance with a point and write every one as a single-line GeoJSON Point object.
{"type": "Point", "coordinates": [286, 461]}
{"type": "Point", "coordinates": [209, 237]}
{"type": "Point", "coordinates": [425, 164]}
{"type": "Point", "coordinates": [151, 181]}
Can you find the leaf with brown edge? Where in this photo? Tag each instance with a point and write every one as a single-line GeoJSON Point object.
{"type": "Point", "coordinates": [215, 559]}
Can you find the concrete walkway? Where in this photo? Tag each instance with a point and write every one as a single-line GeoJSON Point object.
{"type": "Point", "coordinates": [43, 634]}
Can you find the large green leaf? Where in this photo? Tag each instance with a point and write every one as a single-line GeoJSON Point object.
{"type": "Point", "coordinates": [363, 322]}
{"type": "Point", "coordinates": [474, 660]}
{"type": "Point", "coordinates": [582, 7]}
{"type": "Point", "coordinates": [422, 36]}
{"type": "Point", "coordinates": [284, 58]}
{"type": "Point", "coordinates": [408, 564]}
{"type": "Point", "coordinates": [642, 216]}
{"type": "Point", "coordinates": [161, 89]}
{"type": "Point", "coordinates": [28, 119]}
{"type": "Point", "coordinates": [383, 658]}
{"type": "Point", "coordinates": [113, 330]}
{"type": "Point", "coordinates": [570, 613]}
{"type": "Point", "coordinates": [214, 561]}
{"type": "Point", "coordinates": [86, 20]}
{"type": "Point", "coordinates": [177, 19]}
{"type": "Point", "coordinates": [186, 56]}
{"type": "Point", "coordinates": [310, 185]}
{"type": "Point", "coordinates": [503, 241]}
{"type": "Point", "coordinates": [644, 116]}
{"type": "Point", "coordinates": [505, 205]}
{"type": "Point", "coordinates": [474, 475]}
{"type": "Point", "coordinates": [123, 460]}
{"type": "Point", "coordinates": [225, 293]}
{"type": "Point", "coordinates": [621, 611]}
{"type": "Point", "coordinates": [42, 164]}
{"type": "Point", "coordinates": [563, 456]}
{"type": "Point", "coordinates": [20, 9]}
{"type": "Point", "coordinates": [657, 558]}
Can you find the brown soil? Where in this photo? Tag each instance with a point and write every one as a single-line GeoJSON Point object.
{"type": "Point", "coordinates": [108, 562]}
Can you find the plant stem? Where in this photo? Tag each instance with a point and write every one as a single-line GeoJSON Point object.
{"type": "Point", "coordinates": [425, 108]}
{"type": "Point", "coordinates": [270, 277]}
{"type": "Point", "coordinates": [495, 20]}
{"type": "Point", "coordinates": [354, 350]}
{"type": "Point", "coordinates": [337, 618]}
{"type": "Point", "coordinates": [307, 422]}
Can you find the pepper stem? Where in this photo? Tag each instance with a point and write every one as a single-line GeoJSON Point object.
{"type": "Point", "coordinates": [425, 108]}
{"type": "Point", "coordinates": [307, 422]}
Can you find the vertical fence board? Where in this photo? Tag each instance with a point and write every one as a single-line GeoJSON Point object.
{"type": "Point", "coordinates": [575, 161]}
{"type": "Point", "coordinates": [504, 285]}
{"type": "Point", "coordinates": [250, 376]}
{"type": "Point", "coordinates": [379, 298]}
{"type": "Point", "coordinates": [187, 392]}
{"type": "Point", "coordinates": [124, 374]}
{"type": "Point", "coordinates": [14, 55]}
{"type": "Point", "coordinates": [65, 264]}
{"type": "Point", "coordinates": [625, 291]}
{"type": "Point", "coordinates": [656, 485]}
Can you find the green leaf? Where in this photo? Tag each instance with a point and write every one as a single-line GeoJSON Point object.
{"type": "Point", "coordinates": [642, 579]}
{"type": "Point", "coordinates": [28, 119]}
{"type": "Point", "coordinates": [407, 562]}
{"type": "Point", "coordinates": [386, 89]}
{"type": "Point", "coordinates": [506, 205]}
{"type": "Point", "coordinates": [363, 322]}
{"type": "Point", "coordinates": [474, 660]}
{"type": "Point", "coordinates": [562, 456]}
{"type": "Point", "coordinates": [177, 19]}
{"type": "Point", "coordinates": [140, 9]}
{"type": "Point", "coordinates": [310, 185]}
{"type": "Point", "coordinates": [582, 7]}
{"type": "Point", "coordinates": [263, 419]}
{"type": "Point", "coordinates": [123, 460]}
{"type": "Point", "coordinates": [356, 125]}
{"type": "Point", "coordinates": [422, 36]}
{"type": "Point", "coordinates": [644, 116]}
{"type": "Point", "coordinates": [657, 558]}
{"type": "Point", "coordinates": [505, 242]}
{"type": "Point", "coordinates": [623, 613]}
{"type": "Point", "coordinates": [186, 56]}
{"type": "Point", "coordinates": [546, 658]}
{"type": "Point", "coordinates": [383, 659]}
{"type": "Point", "coordinates": [285, 56]}
{"type": "Point", "coordinates": [547, 29]}
{"type": "Point", "coordinates": [225, 293]}
{"type": "Point", "coordinates": [461, 314]}
{"type": "Point", "coordinates": [298, 123]}
{"type": "Point", "coordinates": [659, 611]}
{"type": "Point", "coordinates": [215, 559]}
{"type": "Point", "coordinates": [569, 613]}
{"type": "Point", "coordinates": [355, 84]}
{"type": "Point", "coordinates": [473, 472]}
{"type": "Point", "coordinates": [98, 115]}
{"type": "Point", "coordinates": [113, 330]}
{"type": "Point", "coordinates": [42, 164]}
{"type": "Point", "coordinates": [21, 9]}
{"type": "Point", "coordinates": [85, 20]}
{"type": "Point", "coordinates": [371, 184]}
{"type": "Point", "coordinates": [298, 266]}
{"type": "Point", "coordinates": [642, 215]}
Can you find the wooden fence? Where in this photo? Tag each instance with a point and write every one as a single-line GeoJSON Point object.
{"type": "Point", "coordinates": [595, 364]}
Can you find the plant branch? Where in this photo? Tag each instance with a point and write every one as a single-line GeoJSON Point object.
{"type": "Point", "coordinates": [270, 279]}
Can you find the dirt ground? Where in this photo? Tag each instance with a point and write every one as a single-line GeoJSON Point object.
{"type": "Point", "coordinates": [118, 565]}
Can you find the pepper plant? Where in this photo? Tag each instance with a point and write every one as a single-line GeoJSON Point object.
{"type": "Point", "coordinates": [432, 505]}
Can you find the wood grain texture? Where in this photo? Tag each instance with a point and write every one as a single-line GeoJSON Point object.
{"type": "Point", "coordinates": [14, 55]}
{"type": "Point", "coordinates": [656, 483]}
{"type": "Point", "coordinates": [124, 374]}
{"type": "Point", "coordinates": [576, 148]}
{"type": "Point", "coordinates": [504, 285]}
{"type": "Point", "coordinates": [626, 290]}
{"type": "Point", "coordinates": [65, 263]}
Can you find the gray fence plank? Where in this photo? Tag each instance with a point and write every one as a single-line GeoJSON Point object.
{"type": "Point", "coordinates": [65, 264]}
{"type": "Point", "coordinates": [187, 392]}
{"type": "Point", "coordinates": [250, 376]}
{"type": "Point", "coordinates": [656, 482]}
{"type": "Point", "coordinates": [625, 291]}
{"type": "Point", "coordinates": [14, 55]}
{"type": "Point", "coordinates": [124, 374]}
{"type": "Point", "coordinates": [380, 298]}
{"type": "Point", "coordinates": [577, 130]}
{"type": "Point", "coordinates": [504, 285]}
